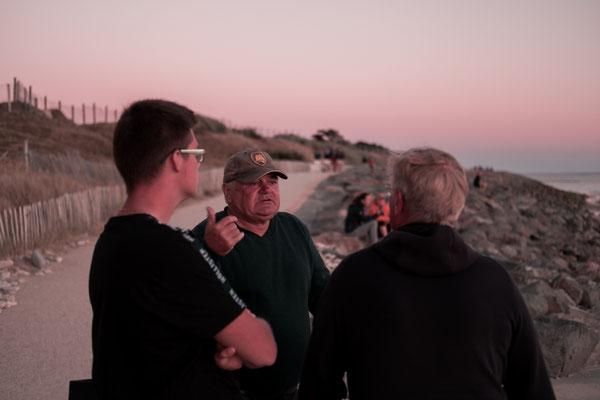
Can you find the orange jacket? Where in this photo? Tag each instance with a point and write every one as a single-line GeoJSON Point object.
{"type": "Point", "coordinates": [374, 208]}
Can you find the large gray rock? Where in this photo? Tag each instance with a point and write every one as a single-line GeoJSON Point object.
{"type": "Point", "coordinates": [538, 305]}
{"type": "Point", "coordinates": [560, 263]}
{"type": "Point", "coordinates": [558, 300]}
{"type": "Point", "coordinates": [570, 286]}
{"type": "Point", "coordinates": [590, 270]}
{"type": "Point", "coordinates": [591, 296]}
{"type": "Point", "coordinates": [37, 259]}
{"type": "Point", "coordinates": [566, 345]}
{"type": "Point", "coordinates": [337, 243]}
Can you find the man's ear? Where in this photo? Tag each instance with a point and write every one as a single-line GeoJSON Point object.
{"type": "Point", "coordinates": [398, 203]}
{"type": "Point", "coordinates": [177, 161]}
{"type": "Point", "coordinates": [226, 192]}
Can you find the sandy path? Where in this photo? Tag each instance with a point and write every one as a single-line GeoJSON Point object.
{"type": "Point", "coordinates": [46, 338]}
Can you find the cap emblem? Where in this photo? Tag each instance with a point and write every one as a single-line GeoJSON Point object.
{"type": "Point", "coordinates": [258, 158]}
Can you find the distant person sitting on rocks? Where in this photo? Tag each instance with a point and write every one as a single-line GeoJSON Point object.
{"type": "Point", "coordinates": [420, 314]}
{"type": "Point", "coordinates": [477, 181]}
{"type": "Point", "coordinates": [381, 208]}
{"type": "Point", "coordinates": [358, 221]}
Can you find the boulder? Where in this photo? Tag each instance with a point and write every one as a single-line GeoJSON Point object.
{"type": "Point", "coordinates": [590, 297]}
{"type": "Point", "coordinates": [558, 300]}
{"type": "Point", "coordinates": [538, 305]}
{"type": "Point", "coordinates": [37, 259]}
{"type": "Point", "coordinates": [566, 345]}
{"type": "Point", "coordinates": [589, 270]}
{"type": "Point", "coordinates": [560, 263]}
{"type": "Point", "coordinates": [570, 286]}
{"type": "Point", "coordinates": [509, 251]}
{"type": "Point", "coordinates": [337, 243]}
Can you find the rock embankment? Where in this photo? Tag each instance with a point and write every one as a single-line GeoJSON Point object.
{"type": "Point", "coordinates": [548, 240]}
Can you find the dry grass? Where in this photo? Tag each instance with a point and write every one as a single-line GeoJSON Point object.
{"type": "Point", "coordinates": [46, 135]}
{"type": "Point", "coordinates": [20, 187]}
{"type": "Point", "coordinates": [66, 157]}
{"type": "Point", "coordinates": [220, 146]}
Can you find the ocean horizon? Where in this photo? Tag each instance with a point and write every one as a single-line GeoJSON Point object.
{"type": "Point", "coordinates": [587, 183]}
{"type": "Point", "coordinates": [580, 182]}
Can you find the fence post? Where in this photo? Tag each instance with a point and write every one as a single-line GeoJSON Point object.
{"type": "Point", "coordinates": [106, 114]}
{"type": "Point", "coordinates": [45, 104]}
{"type": "Point", "coordinates": [59, 106]}
{"type": "Point", "coordinates": [26, 154]}
{"type": "Point", "coordinates": [94, 112]}
{"type": "Point", "coordinates": [35, 102]}
{"type": "Point", "coordinates": [30, 95]}
{"type": "Point", "coordinates": [73, 113]}
{"type": "Point", "coordinates": [83, 112]}
{"type": "Point", "coordinates": [15, 89]}
{"type": "Point", "coordinates": [8, 92]}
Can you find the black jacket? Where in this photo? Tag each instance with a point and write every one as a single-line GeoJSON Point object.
{"type": "Point", "coordinates": [420, 315]}
{"type": "Point", "coordinates": [356, 216]}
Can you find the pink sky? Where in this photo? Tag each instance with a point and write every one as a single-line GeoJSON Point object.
{"type": "Point", "coordinates": [510, 84]}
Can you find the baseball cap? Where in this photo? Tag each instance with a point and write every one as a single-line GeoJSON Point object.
{"type": "Point", "coordinates": [249, 165]}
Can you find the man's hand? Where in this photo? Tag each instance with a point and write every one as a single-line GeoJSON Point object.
{"type": "Point", "coordinates": [221, 237]}
{"type": "Point", "coordinates": [226, 358]}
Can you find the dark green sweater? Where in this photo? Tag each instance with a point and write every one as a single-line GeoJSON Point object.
{"type": "Point", "coordinates": [280, 276]}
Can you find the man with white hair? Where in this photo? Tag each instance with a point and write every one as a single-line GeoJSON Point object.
{"type": "Point", "coordinates": [420, 314]}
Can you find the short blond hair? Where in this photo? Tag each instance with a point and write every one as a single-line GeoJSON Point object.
{"type": "Point", "coordinates": [433, 185]}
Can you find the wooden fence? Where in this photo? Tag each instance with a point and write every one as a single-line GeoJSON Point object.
{"type": "Point", "coordinates": [28, 226]}
{"type": "Point", "coordinates": [23, 97]}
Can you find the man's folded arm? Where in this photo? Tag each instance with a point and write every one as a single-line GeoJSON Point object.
{"type": "Point", "coordinates": [252, 339]}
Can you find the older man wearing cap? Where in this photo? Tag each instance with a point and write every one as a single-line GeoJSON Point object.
{"type": "Point", "coordinates": [271, 262]}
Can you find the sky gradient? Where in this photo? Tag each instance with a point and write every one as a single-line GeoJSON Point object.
{"type": "Point", "coordinates": [514, 85]}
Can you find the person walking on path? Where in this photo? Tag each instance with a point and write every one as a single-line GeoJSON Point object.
{"type": "Point", "coordinates": [275, 267]}
{"type": "Point", "coordinates": [420, 314]}
{"type": "Point", "coordinates": [166, 323]}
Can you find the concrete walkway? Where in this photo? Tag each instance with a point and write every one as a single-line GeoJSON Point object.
{"type": "Point", "coordinates": [46, 339]}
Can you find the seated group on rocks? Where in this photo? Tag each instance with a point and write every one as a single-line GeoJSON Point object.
{"type": "Point", "coordinates": [222, 311]}
{"type": "Point", "coordinates": [368, 217]}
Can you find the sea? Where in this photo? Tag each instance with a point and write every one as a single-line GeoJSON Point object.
{"type": "Point", "coordinates": [579, 182]}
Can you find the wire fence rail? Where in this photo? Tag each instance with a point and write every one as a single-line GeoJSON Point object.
{"type": "Point", "coordinates": [22, 96]}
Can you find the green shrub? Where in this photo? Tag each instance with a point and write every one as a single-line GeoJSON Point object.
{"type": "Point", "coordinates": [287, 155]}
{"type": "Point", "coordinates": [249, 132]}
{"type": "Point", "coordinates": [294, 138]}
{"type": "Point", "coordinates": [207, 124]}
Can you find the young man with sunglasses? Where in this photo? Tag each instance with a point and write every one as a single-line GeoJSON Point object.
{"type": "Point", "coordinates": [166, 322]}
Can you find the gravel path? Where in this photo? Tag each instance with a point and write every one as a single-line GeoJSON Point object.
{"type": "Point", "coordinates": [46, 338]}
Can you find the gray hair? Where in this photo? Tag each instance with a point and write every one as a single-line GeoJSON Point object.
{"type": "Point", "coordinates": [433, 185]}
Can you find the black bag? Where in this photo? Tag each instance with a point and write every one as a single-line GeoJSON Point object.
{"type": "Point", "coordinates": [82, 389]}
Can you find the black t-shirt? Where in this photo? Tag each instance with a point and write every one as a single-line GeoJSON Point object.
{"type": "Point", "coordinates": [158, 299]}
